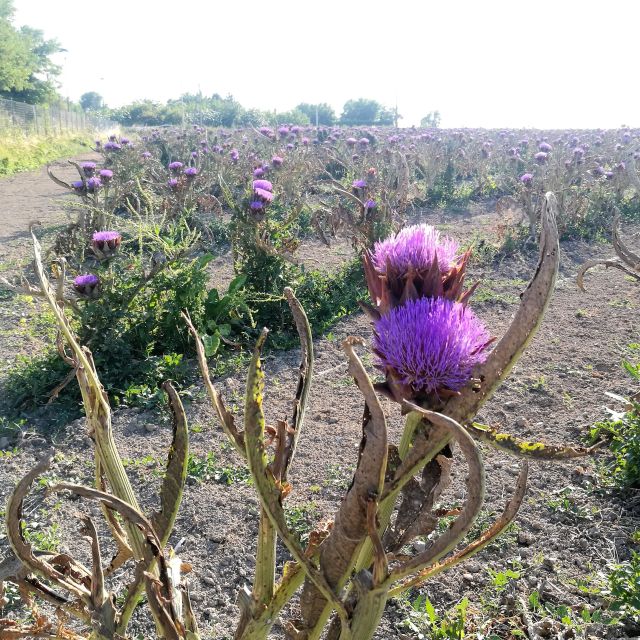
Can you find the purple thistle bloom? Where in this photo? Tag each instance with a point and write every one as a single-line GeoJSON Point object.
{"type": "Point", "coordinates": [430, 345]}
{"type": "Point", "coordinates": [609, 175]}
{"type": "Point", "coordinates": [124, 141]}
{"type": "Point", "coordinates": [351, 142]}
{"type": "Point", "coordinates": [105, 175]}
{"type": "Point", "coordinates": [262, 184]}
{"type": "Point", "coordinates": [111, 146]}
{"type": "Point", "coordinates": [190, 172]}
{"type": "Point", "coordinates": [541, 157]}
{"type": "Point", "coordinates": [264, 195]}
{"type": "Point", "coordinates": [78, 186]}
{"type": "Point", "coordinates": [256, 205]}
{"type": "Point", "coordinates": [369, 205]}
{"type": "Point", "coordinates": [305, 141]}
{"type": "Point", "coordinates": [359, 184]}
{"type": "Point", "coordinates": [93, 184]}
{"type": "Point", "coordinates": [277, 161]}
{"type": "Point", "coordinates": [172, 183]}
{"type": "Point", "coordinates": [175, 166]}
{"type": "Point", "coordinates": [89, 168]}
{"type": "Point", "coordinates": [363, 142]}
{"type": "Point", "coordinates": [544, 146]}
{"type": "Point", "coordinates": [86, 284]}
{"type": "Point", "coordinates": [106, 242]}
{"type": "Point", "coordinates": [598, 171]}
{"type": "Point", "coordinates": [415, 247]}
{"type": "Point", "coordinates": [258, 173]}
{"type": "Point", "coordinates": [526, 179]}
{"type": "Point", "coordinates": [145, 154]}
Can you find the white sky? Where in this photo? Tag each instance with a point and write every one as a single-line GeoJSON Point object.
{"type": "Point", "coordinates": [489, 63]}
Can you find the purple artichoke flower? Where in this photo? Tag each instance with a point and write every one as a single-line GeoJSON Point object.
{"type": "Point", "coordinates": [263, 195]}
{"type": "Point", "coordinates": [262, 184]}
{"type": "Point", "coordinates": [175, 166]}
{"type": "Point", "coordinates": [370, 205]}
{"type": "Point", "coordinates": [125, 141]}
{"type": "Point", "coordinates": [598, 171]}
{"type": "Point", "coordinates": [351, 142]}
{"type": "Point", "coordinates": [416, 262]}
{"type": "Point", "coordinates": [191, 173]}
{"type": "Point", "coordinates": [429, 346]}
{"type": "Point", "coordinates": [259, 172]}
{"type": "Point", "coordinates": [88, 168]}
{"type": "Point", "coordinates": [363, 142]}
{"type": "Point", "coordinates": [78, 186]}
{"type": "Point", "coordinates": [93, 184]}
{"type": "Point", "coordinates": [111, 146]}
{"type": "Point", "coordinates": [358, 186]}
{"type": "Point", "coordinates": [545, 146]}
{"type": "Point", "coordinates": [106, 242]}
{"type": "Point", "coordinates": [145, 155]}
{"type": "Point", "coordinates": [277, 161]}
{"type": "Point", "coordinates": [87, 285]}
{"type": "Point", "coordinates": [105, 175]}
{"type": "Point", "coordinates": [173, 184]}
{"type": "Point", "coordinates": [526, 179]}
{"type": "Point", "coordinates": [541, 157]}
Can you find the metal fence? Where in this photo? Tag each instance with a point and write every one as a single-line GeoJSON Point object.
{"type": "Point", "coordinates": [49, 120]}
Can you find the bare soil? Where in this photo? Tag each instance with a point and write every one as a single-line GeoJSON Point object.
{"type": "Point", "coordinates": [571, 527]}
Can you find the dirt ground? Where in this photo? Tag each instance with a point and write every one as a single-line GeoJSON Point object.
{"type": "Point", "coordinates": [569, 530]}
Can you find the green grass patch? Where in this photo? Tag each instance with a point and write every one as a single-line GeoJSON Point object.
{"type": "Point", "coordinates": [22, 153]}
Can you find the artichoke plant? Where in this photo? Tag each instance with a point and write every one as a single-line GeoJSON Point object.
{"type": "Point", "coordinates": [437, 365]}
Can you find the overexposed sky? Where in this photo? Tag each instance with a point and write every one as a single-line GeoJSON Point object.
{"type": "Point", "coordinates": [485, 63]}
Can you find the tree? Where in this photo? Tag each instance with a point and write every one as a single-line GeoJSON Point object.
{"type": "Point", "coordinates": [91, 101]}
{"type": "Point", "coordinates": [26, 70]}
{"type": "Point", "coordinates": [431, 120]}
{"type": "Point", "coordinates": [360, 112]}
{"type": "Point", "coordinates": [326, 114]}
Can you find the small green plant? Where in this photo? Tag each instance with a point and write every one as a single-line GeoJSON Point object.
{"type": "Point", "coordinates": [300, 519]}
{"type": "Point", "coordinates": [623, 434]}
{"type": "Point", "coordinates": [207, 469]}
{"type": "Point", "coordinates": [424, 621]}
{"type": "Point", "coordinates": [624, 588]}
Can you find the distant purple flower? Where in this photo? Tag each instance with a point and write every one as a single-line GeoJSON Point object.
{"type": "Point", "coordinates": [363, 142]}
{"type": "Point", "coordinates": [598, 171]}
{"type": "Point", "coordinates": [283, 131]}
{"type": "Point", "coordinates": [78, 186]}
{"type": "Point", "coordinates": [305, 141]}
{"type": "Point", "coordinates": [234, 155]}
{"type": "Point", "coordinates": [370, 205]}
{"type": "Point", "coordinates": [105, 175]}
{"type": "Point", "coordinates": [145, 155]}
{"type": "Point", "coordinates": [256, 205]}
{"type": "Point", "coordinates": [175, 166]}
{"type": "Point", "coordinates": [358, 185]}
{"type": "Point", "coordinates": [88, 168]}
{"type": "Point", "coordinates": [111, 146]}
{"type": "Point", "coordinates": [544, 146]}
{"type": "Point", "coordinates": [609, 175]}
{"type": "Point", "coordinates": [93, 184]}
{"type": "Point", "coordinates": [541, 157]}
{"type": "Point", "coordinates": [430, 345]}
{"type": "Point", "coordinates": [277, 161]}
{"type": "Point", "coordinates": [415, 247]}
{"type": "Point", "coordinates": [125, 141]}
{"type": "Point", "coordinates": [262, 184]}
{"type": "Point", "coordinates": [191, 173]}
{"type": "Point", "coordinates": [86, 284]}
{"type": "Point", "coordinates": [526, 179]}
{"type": "Point", "coordinates": [620, 167]}
{"type": "Point", "coordinates": [172, 183]}
{"type": "Point", "coordinates": [351, 142]}
{"type": "Point", "coordinates": [98, 144]}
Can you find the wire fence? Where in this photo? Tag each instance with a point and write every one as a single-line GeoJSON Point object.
{"type": "Point", "coordinates": [50, 120]}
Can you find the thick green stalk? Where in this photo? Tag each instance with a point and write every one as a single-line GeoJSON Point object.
{"type": "Point", "coordinates": [265, 574]}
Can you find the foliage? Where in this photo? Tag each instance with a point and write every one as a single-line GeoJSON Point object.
{"type": "Point", "coordinates": [623, 434]}
{"type": "Point", "coordinates": [431, 120]}
{"type": "Point", "coordinates": [325, 113]}
{"type": "Point", "coordinates": [24, 59]}
{"type": "Point", "coordinates": [624, 588]}
{"type": "Point", "coordinates": [91, 101]}
{"type": "Point", "coordinates": [366, 112]}
{"type": "Point", "coordinates": [426, 624]}
{"type": "Point", "coordinates": [21, 153]}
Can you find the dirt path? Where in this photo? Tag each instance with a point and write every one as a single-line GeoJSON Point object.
{"type": "Point", "coordinates": [29, 196]}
